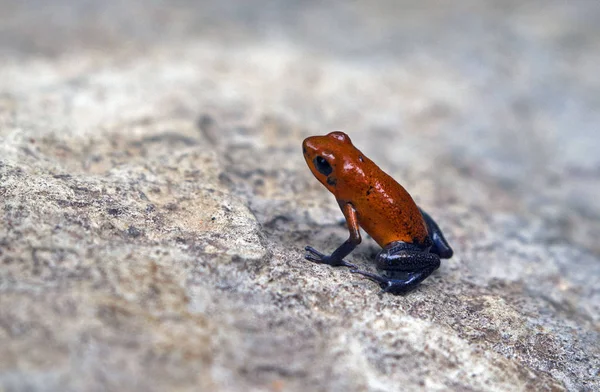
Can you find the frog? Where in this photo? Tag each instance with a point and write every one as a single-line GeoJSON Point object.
{"type": "Point", "coordinates": [411, 242]}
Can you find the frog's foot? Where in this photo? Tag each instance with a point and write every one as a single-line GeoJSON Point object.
{"type": "Point", "coordinates": [397, 285]}
{"type": "Point", "coordinates": [320, 258]}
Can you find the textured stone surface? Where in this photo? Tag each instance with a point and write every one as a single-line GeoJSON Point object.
{"type": "Point", "coordinates": [155, 202]}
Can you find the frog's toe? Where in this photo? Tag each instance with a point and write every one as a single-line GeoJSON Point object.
{"type": "Point", "coordinates": [317, 257]}
{"type": "Point", "coordinates": [313, 251]}
{"type": "Point", "coordinates": [313, 259]}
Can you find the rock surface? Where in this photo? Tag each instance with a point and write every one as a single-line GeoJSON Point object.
{"type": "Point", "coordinates": [155, 202]}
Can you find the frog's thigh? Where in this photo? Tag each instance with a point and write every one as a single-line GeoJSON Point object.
{"type": "Point", "coordinates": [405, 257]}
{"type": "Point", "coordinates": [440, 245]}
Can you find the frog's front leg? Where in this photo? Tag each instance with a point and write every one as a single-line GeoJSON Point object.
{"type": "Point", "coordinates": [405, 266]}
{"type": "Point", "coordinates": [337, 257]}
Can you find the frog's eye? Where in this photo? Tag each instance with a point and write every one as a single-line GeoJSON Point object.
{"type": "Point", "coordinates": [322, 165]}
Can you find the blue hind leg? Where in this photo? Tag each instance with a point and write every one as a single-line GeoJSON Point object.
{"type": "Point", "coordinates": [440, 245]}
{"type": "Point", "coordinates": [404, 265]}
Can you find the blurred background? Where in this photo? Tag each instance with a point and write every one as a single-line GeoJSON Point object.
{"type": "Point", "coordinates": [128, 127]}
{"type": "Point", "coordinates": [505, 90]}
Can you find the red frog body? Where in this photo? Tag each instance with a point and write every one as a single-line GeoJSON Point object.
{"type": "Point", "coordinates": [368, 197]}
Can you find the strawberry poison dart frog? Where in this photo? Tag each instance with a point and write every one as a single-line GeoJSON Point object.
{"type": "Point", "coordinates": [412, 242]}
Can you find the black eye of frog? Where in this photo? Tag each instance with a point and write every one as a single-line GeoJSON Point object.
{"type": "Point", "coordinates": [322, 166]}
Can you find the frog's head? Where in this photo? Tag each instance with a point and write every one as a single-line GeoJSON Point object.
{"type": "Point", "coordinates": [325, 156]}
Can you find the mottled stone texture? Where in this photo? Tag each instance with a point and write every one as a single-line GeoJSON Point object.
{"type": "Point", "coordinates": [155, 203]}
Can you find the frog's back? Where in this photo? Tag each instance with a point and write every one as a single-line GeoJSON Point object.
{"type": "Point", "coordinates": [384, 208]}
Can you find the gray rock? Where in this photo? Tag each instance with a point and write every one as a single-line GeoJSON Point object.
{"type": "Point", "coordinates": [155, 202]}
